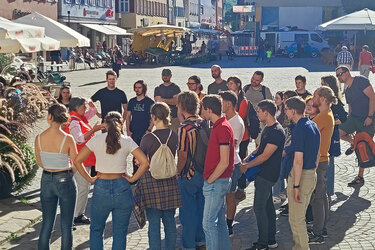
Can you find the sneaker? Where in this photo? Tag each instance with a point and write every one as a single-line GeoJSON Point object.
{"type": "Point", "coordinates": [272, 245]}
{"type": "Point", "coordinates": [316, 239]}
{"type": "Point", "coordinates": [349, 151]}
{"type": "Point", "coordinates": [282, 196]}
{"type": "Point", "coordinates": [230, 230]}
{"type": "Point", "coordinates": [240, 195]}
{"type": "Point", "coordinates": [284, 206]}
{"type": "Point", "coordinates": [309, 222]}
{"type": "Point", "coordinates": [310, 232]}
{"type": "Point", "coordinates": [256, 247]}
{"type": "Point", "coordinates": [285, 212]}
{"type": "Point", "coordinates": [276, 199]}
{"type": "Point", "coordinates": [325, 233]}
{"type": "Point", "coordinates": [357, 181]}
{"type": "Point", "coordinates": [82, 219]}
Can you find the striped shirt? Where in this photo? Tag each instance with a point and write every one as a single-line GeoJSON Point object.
{"type": "Point", "coordinates": [187, 137]}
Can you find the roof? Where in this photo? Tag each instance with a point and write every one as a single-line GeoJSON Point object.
{"type": "Point", "coordinates": [298, 3]}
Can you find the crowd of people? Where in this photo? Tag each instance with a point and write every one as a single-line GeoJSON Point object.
{"type": "Point", "coordinates": [190, 152]}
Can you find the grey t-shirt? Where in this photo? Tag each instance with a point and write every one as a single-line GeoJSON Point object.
{"type": "Point", "coordinates": [168, 92]}
{"type": "Point", "coordinates": [215, 88]}
{"type": "Point", "coordinates": [357, 100]}
{"type": "Point", "coordinates": [255, 96]}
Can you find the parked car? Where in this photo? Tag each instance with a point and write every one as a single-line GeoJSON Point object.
{"type": "Point", "coordinates": [308, 50]}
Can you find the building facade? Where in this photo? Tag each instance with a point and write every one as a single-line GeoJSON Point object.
{"type": "Point", "coordinates": [142, 13]}
{"type": "Point", "coordinates": [13, 9]}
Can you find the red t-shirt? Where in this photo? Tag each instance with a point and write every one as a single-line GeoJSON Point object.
{"type": "Point", "coordinates": [366, 58]}
{"type": "Point", "coordinates": [221, 134]}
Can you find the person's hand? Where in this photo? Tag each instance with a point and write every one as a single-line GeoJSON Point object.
{"type": "Point", "coordinates": [97, 127]}
{"type": "Point", "coordinates": [243, 168]}
{"type": "Point", "coordinates": [127, 177]}
{"type": "Point", "coordinates": [297, 197]}
{"type": "Point", "coordinates": [129, 133]}
{"type": "Point", "coordinates": [284, 153]}
{"type": "Point", "coordinates": [93, 179]}
{"type": "Point", "coordinates": [91, 104]}
{"type": "Point", "coordinates": [368, 121]}
{"type": "Point", "coordinates": [136, 162]}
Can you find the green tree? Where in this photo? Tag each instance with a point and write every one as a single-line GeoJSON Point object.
{"type": "Point", "coordinates": [232, 19]}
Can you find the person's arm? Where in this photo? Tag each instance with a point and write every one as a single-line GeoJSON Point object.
{"type": "Point", "coordinates": [267, 153]}
{"type": "Point", "coordinates": [78, 162]}
{"type": "Point", "coordinates": [37, 152]}
{"type": "Point", "coordinates": [360, 61]}
{"type": "Point", "coordinates": [143, 165]}
{"type": "Point", "coordinates": [297, 170]}
{"type": "Point", "coordinates": [128, 120]}
{"type": "Point", "coordinates": [158, 98]}
{"type": "Point", "coordinates": [351, 63]}
{"type": "Point", "coordinates": [76, 132]}
{"type": "Point", "coordinates": [125, 108]}
{"type": "Point", "coordinates": [183, 148]}
{"type": "Point", "coordinates": [91, 112]}
{"type": "Point", "coordinates": [181, 161]}
{"type": "Point", "coordinates": [223, 164]}
{"type": "Point", "coordinates": [369, 92]}
{"type": "Point", "coordinates": [170, 101]}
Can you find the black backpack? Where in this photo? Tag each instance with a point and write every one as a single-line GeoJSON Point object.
{"type": "Point", "coordinates": [203, 135]}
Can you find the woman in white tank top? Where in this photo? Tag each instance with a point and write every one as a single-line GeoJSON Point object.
{"type": "Point", "coordinates": [53, 150]}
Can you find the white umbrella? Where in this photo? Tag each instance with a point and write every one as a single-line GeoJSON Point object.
{"type": "Point", "coordinates": [359, 20]}
{"type": "Point", "coordinates": [67, 36]}
{"type": "Point", "coordinates": [16, 37]}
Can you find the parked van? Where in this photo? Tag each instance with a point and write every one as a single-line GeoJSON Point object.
{"type": "Point", "coordinates": [283, 39]}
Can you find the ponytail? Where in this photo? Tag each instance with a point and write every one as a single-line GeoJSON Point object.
{"type": "Point", "coordinates": [114, 128]}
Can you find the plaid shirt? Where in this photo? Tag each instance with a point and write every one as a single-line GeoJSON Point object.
{"type": "Point", "coordinates": [344, 57]}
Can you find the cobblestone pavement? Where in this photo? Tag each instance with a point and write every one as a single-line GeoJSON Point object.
{"type": "Point", "coordinates": [351, 224]}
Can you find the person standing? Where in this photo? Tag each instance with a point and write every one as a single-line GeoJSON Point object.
{"type": "Point", "coordinates": [365, 61]}
{"type": "Point", "coordinates": [269, 155]}
{"type": "Point", "coordinates": [344, 57]}
{"type": "Point", "coordinates": [323, 99]}
{"type": "Point", "coordinates": [191, 176]}
{"type": "Point", "coordinates": [167, 92]}
{"type": "Point", "coordinates": [195, 85]}
{"type": "Point", "coordinates": [219, 84]}
{"type": "Point", "coordinates": [138, 117]}
{"type": "Point", "coordinates": [53, 151]}
{"type": "Point", "coordinates": [65, 96]}
{"type": "Point", "coordinates": [82, 132]}
{"type": "Point", "coordinates": [301, 87]}
{"type": "Point", "coordinates": [360, 97]}
{"type": "Point", "coordinates": [111, 98]}
{"type": "Point", "coordinates": [117, 60]}
{"type": "Point", "coordinates": [302, 178]}
{"type": "Point", "coordinates": [112, 192]}
{"type": "Point", "coordinates": [159, 197]}
{"type": "Point", "coordinates": [218, 169]}
{"type": "Point", "coordinates": [229, 104]}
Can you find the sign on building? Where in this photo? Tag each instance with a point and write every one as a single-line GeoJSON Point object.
{"type": "Point", "coordinates": [243, 8]}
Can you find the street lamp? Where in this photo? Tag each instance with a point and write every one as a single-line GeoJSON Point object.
{"type": "Point", "coordinates": [69, 18]}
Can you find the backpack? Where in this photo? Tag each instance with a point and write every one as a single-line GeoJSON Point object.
{"type": "Point", "coordinates": [364, 148]}
{"type": "Point", "coordinates": [251, 120]}
{"type": "Point", "coordinates": [246, 88]}
{"type": "Point", "coordinates": [203, 135]}
{"type": "Point", "coordinates": [162, 164]}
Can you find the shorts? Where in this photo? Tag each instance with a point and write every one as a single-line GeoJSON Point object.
{"type": "Point", "coordinates": [235, 177]}
{"type": "Point", "coordinates": [353, 124]}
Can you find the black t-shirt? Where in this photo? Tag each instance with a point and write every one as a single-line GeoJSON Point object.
{"type": "Point", "coordinates": [167, 92]}
{"type": "Point", "coordinates": [357, 100]}
{"type": "Point", "coordinates": [304, 95]}
{"type": "Point", "coordinates": [270, 169]}
{"type": "Point", "coordinates": [140, 111]}
{"type": "Point", "coordinates": [110, 100]}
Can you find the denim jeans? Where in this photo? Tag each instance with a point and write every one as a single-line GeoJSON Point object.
{"type": "Point", "coordinates": [214, 223]}
{"type": "Point", "coordinates": [191, 212]}
{"type": "Point", "coordinates": [278, 187]}
{"type": "Point", "coordinates": [110, 196]}
{"type": "Point", "coordinates": [167, 216]}
{"type": "Point", "coordinates": [57, 188]}
{"type": "Point", "coordinates": [330, 175]}
{"type": "Point", "coordinates": [264, 212]}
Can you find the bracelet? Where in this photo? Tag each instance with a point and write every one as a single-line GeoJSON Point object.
{"type": "Point", "coordinates": [295, 186]}
{"type": "Point", "coordinates": [370, 116]}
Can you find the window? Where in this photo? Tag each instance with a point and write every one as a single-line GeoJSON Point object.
{"type": "Point", "coordinates": [124, 6]}
{"type": "Point", "coordinates": [301, 37]}
{"type": "Point", "coordinates": [202, 9]}
{"type": "Point", "coordinates": [99, 3]}
{"type": "Point", "coordinates": [316, 38]}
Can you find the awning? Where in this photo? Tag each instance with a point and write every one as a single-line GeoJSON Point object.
{"type": "Point", "coordinates": [28, 45]}
{"type": "Point", "coordinates": [106, 29]}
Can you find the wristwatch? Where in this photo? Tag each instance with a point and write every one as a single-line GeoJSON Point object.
{"type": "Point", "coordinates": [370, 116]}
{"type": "Point", "coordinates": [295, 186]}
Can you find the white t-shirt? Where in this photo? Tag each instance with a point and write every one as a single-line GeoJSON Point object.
{"type": "Point", "coordinates": [238, 129]}
{"type": "Point", "coordinates": [107, 163]}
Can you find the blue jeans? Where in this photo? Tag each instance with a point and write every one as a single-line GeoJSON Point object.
{"type": "Point", "coordinates": [278, 187]}
{"type": "Point", "coordinates": [214, 223]}
{"type": "Point", "coordinates": [264, 212]}
{"type": "Point", "coordinates": [330, 176]}
{"type": "Point", "coordinates": [110, 196]}
{"type": "Point", "coordinates": [167, 216]}
{"type": "Point", "coordinates": [191, 212]}
{"type": "Point", "coordinates": [57, 188]}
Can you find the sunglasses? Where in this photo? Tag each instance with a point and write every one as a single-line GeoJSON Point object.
{"type": "Point", "coordinates": [340, 74]}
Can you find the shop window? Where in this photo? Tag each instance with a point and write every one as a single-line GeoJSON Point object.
{"type": "Point", "coordinates": [124, 6]}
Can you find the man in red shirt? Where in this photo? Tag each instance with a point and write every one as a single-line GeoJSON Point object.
{"type": "Point", "coordinates": [218, 169]}
{"type": "Point", "coordinates": [365, 61]}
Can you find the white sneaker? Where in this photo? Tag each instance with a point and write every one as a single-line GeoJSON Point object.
{"type": "Point", "coordinates": [276, 200]}
{"type": "Point", "coordinates": [273, 246]}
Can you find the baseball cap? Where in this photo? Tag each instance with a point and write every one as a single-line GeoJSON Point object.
{"type": "Point", "coordinates": [166, 72]}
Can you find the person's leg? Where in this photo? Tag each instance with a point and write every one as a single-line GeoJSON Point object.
{"type": "Point", "coordinates": [100, 208]}
{"type": "Point", "coordinates": [49, 201]}
{"type": "Point", "coordinates": [199, 235]}
{"type": "Point", "coordinates": [154, 238]}
{"type": "Point", "coordinates": [83, 188]}
{"type": "Point", "coordinates": [67, 192]}
{"type": "Point", "coordinates": [122, 199]}
{"type": "Point", "coordinates": [271, 213]}
{"type": "Point", "coordinates": [263, 193]}
{"type": "Point", "coordinates": [231, 199]}
{"type": "Point", "coordinates": [243, 153]}
{"type": "Point", "coordinates": [319, 197]}
{"type": "Point", "coordinates": [170, 231]}
{"type": "Point", "coordinates": [330, 175]}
